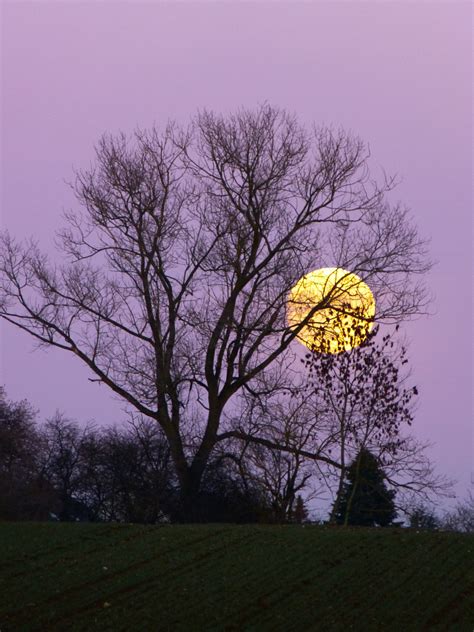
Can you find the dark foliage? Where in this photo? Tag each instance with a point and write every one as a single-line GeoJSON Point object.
{"type": "Point", "coordinates": [365, 499]}
{"type": "Point", "coordinates": [118, 474]}
{"type": "Point", "coordinates": [62, 471]}
{"type": "Point", "coordinates": [300, 513]}
{"type": "Point", "coordinates": [225, 497]}
{"type": "Point", "coordinates": [24, 492]}
{"type": "Point", "coordinates": [422, 517]}
{"type": "Point", "coordinates": [129, 476]}
{"type": "Point", "coordinates": [66, 472]}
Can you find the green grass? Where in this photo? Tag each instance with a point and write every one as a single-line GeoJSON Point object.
{"type": "Point", "coordinates": [225, 577]}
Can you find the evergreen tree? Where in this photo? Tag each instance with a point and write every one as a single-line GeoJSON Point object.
{"type": "Point", "coordinates": [365, 499]}
{"type": "Point", "coordinates": [300, 513]}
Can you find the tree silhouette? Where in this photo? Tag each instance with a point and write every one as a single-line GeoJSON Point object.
{"type": "Point", "coordinates": [300, 512]}
{"type": "Point", "coordinates": [181, 256]}
{"type": "Point", "coordinates": [423, 517]}
{"type": "Point", "coordinates": [365, 499]}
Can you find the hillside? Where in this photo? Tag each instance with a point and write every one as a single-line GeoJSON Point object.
{"type": "Point", "coordinates": [225, 577]}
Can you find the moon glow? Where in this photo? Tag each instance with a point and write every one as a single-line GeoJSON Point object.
{"type": "Point", "coordinates": [346, 315]}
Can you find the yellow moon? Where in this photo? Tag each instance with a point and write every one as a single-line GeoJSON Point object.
{"type": "Point", "coordinates": [346, 315]}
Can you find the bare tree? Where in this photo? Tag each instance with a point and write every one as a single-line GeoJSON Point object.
{"type": "Point", "coordinates": [183, 255]}
{"type": "Point", "coordinates": [461, 518]}
{"type": "Point", "coordinates": [64, 461]}
{"type": "Point", "coordinates": [120, 473]}
{"type": "Point", "coordinates": [279, 437]}
{"type": "Point", "coordinates": [410, 471]}
{"type": "Point", "coordinates": [283, 475]}
{"type": "Point", "coordinates": [137, 480]}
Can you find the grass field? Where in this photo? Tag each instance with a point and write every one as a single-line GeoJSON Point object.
{"type": "Point", "coordinates": [225, 577]}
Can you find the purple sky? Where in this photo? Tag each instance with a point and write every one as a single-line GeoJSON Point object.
{"type": "Point", "coordinates": [397, 74]}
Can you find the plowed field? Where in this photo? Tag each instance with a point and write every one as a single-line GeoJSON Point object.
{"type": "Point", "coordinates": [225, 577]}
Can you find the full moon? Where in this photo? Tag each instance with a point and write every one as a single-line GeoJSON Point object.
{"type": "Point", "coordinates": [346, 315]}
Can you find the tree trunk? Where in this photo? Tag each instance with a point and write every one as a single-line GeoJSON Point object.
{"type": "Point", "coordinates": [188, 510]}
{"type": "Point", "coordinates": [191, 507]}
{"type": "Point", "coordinates": [337, 502]}
{"type": "Point", "coordinates": [351, 497]}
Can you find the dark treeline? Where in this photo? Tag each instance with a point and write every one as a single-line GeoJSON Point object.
{"type": "Point", "coordinates": [61, 470]}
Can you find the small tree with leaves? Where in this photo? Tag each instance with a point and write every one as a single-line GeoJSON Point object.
{"type": "Point", "coordinates": [365, 499]}
{"type": "Point", "coordinates": [363, 398]}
